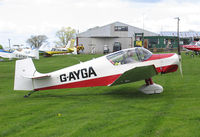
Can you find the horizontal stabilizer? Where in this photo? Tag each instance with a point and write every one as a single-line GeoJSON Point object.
{"type": "Point", "coordinates": [136, 74]}
{"type": "Point", "coordinates": [41, 76]}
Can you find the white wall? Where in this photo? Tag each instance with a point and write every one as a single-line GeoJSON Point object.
{"type": "Point", "coordinates": [99, 43]}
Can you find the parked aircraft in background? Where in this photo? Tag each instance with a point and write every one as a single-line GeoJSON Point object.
{"type": "Point", "coordinates": [69, 48]}
{"type": "Point", "coordinates": [20, 54]}
{"type": "Point", "coordinates": [193, 46]}
{"type": "Point", "coordinates": [124, 66]}
{"type": "Point", "coordinates": [16, 47]}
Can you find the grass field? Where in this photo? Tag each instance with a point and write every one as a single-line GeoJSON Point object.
{"type": "Point", "coordinates": [119, 111]}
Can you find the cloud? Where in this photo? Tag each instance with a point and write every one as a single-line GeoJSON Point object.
{"type": "Point", "coordinates": [22, 18]}
{"type": "Point", "coordinates": [144, 1]}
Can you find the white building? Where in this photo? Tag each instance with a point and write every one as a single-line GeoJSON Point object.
{"type": "Point", "coordinates": [95, 39]}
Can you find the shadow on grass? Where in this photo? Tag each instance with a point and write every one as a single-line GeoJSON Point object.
{"type": "Point", "coordinates": [119, 92]}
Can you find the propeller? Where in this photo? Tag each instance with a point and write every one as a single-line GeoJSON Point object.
{"type": "Point", "coordinates": [180, 59]}
{"type": "Point", "coordinates": [180, 65]}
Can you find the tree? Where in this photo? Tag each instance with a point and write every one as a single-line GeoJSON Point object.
{"type": "Point", "coordinates": [64, 35]}
{"type": "Point", "coordinates": [1, 47]}
{"type": "Point", "coordinates": [37, 41]}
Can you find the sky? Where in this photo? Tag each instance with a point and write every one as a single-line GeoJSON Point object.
{"type": "Point", "coordinates": [19, 19]}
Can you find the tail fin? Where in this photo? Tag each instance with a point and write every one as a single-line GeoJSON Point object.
{"type": "Point", "coordinates": [36, 53]}
{"type": "Point", "coordinates": [24, 69]}
{"type": "Point", "coordinates": [70, 44]}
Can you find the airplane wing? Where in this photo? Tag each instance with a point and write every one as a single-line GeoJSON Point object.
{"type": "Point", "coordinates": [136, 74]}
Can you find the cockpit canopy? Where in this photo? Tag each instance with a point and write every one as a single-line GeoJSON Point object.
{"type": "Point", "coordinates": [133, 55]}
{"type": "Point", "coordinates": [195, 43]}
{"type": "Point", "coordinates": [198, 43]}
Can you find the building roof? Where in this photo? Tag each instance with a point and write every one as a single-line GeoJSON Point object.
{"type": "Point", "coordinates": [187, 34]}
{"type": "Point", "coordinates": [108, 31]}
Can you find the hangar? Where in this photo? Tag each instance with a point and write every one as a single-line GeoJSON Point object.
{"type": "Point", "coordinates": [168, 40]}
{"type": "Point", "coordinates": [116, 34]}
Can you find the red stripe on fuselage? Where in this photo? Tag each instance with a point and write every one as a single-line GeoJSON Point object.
{"type": "Point", "coordinates": [103, 81]}
{"type": "Point", "coordinates": [167, 69]}
{"type": "Point", "coordinates": [160, 56]}
{"type": "Point", "coordinates": [164, 69]}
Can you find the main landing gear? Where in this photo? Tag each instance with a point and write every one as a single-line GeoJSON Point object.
{"type": "Point", "coordinates": [150, 87]}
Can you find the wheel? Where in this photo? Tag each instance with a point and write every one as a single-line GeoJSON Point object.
{"type": "Point", "coordinates": [25, 96]}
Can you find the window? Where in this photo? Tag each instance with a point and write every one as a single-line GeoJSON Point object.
{"type": "Point", "coordinates": [117, 46]}
{"type": "Point", "coordinates": [153, 42]}
{"type": "Point", "coordinates": [121, 28]}
{"type": "Point", "coordinates": [129, 56]}
{"type": "Point", "coordinates": [116, 58]}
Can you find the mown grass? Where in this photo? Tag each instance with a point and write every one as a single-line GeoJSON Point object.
{"type": "Point", "coordinates": [102, 111]}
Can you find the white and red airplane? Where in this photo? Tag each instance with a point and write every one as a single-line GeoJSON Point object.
{"type": "Point", "coordinates": [124, 66]}
{"type": "Point", "coordinates": [193, 46]}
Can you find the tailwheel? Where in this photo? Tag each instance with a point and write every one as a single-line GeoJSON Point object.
{"type": "Point", "coordinates": [31, 92]}
{"type": "Point", "coordinates": [150, 87]}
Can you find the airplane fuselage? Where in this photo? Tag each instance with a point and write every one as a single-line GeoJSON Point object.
{"type": "Point", "coordinates": [101, 72]}
{"type": "Point", "coordinates": [18, 55]}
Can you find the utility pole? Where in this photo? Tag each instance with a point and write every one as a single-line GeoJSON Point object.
{"type": "Point", "coordinates": [9, 43]}
{"type": "Point", "coordinates": [179, 49]}
{"type": "Point", "coordinates": [178, 39]}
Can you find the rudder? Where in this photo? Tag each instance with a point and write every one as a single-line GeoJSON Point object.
{"type": "Point", "coordinates": [24, 70]}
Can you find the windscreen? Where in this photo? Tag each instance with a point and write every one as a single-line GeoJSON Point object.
{"type": "Point", "coordinates": [198, 43]}
{"type": "Point", "coordinates": [193, 43]}
{"type": "Point", "coordinates": [129, 56]}
{"type": "Point", "coordinates": [143, 54]}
